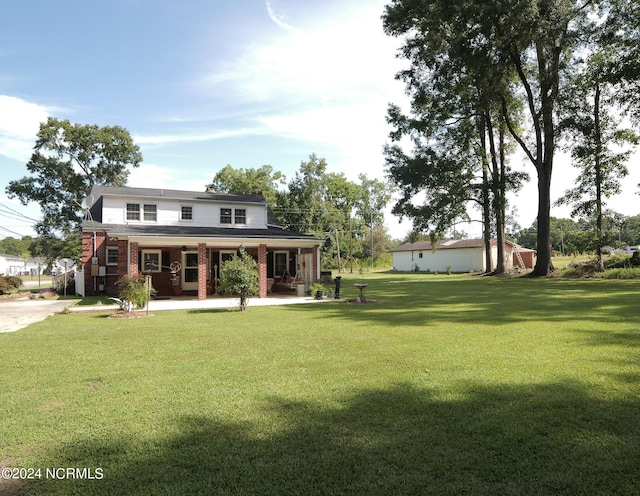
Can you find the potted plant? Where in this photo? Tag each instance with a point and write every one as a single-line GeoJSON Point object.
{"type": "Point", "coordinates": [175, 285]}
{"type": "Point", "coordinates": [317, 290]}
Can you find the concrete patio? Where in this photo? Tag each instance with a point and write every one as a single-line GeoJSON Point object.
{"type": "Point", "coordinates": [192, 302]}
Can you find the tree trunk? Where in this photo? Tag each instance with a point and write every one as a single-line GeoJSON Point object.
{"type": "Point", "coordinates": [598, 171]}
{"type": "Point", "coordinates": [486, 201]}
{"type": "Point", "coordinates": [486, 213]}
{"type": "Point", "coordinates": [543, 263]}
{"type": "Point", "coordinates": [497, 203]}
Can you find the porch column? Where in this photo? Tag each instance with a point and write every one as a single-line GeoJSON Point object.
{"type": "Point", "coordinates": [262, 270]}
{"type": "Point", "coordinates": [316, 264]}
{"type": "Point", "coordinates": [202, 271]}
{"type": "Point", "coordinates": [133, 259]}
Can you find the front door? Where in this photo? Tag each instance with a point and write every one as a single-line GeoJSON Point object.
{"type": "Point", "coordinates": [190, 271]}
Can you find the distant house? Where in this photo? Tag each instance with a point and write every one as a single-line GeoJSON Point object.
{"type": "Point", "coordinates": [463, 255]}
{"type": "Point", "coordinates": [143, 230]}
{"type": "Point", "coordinates": [11, 265]}
{"type": "Point", "coordinates": [35, 265]}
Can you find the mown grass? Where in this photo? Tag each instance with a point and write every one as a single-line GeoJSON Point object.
{"type": "Point", "coordinates": [450, 385]}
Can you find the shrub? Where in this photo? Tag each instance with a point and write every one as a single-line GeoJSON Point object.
{"type": "Point", "coordinates": [9, 284]}
{"type": "Point", "coordinates": [133, 289]}
{"type": "Point", "coordinates": [15, 281]}
{"type": "Point", "coordinates": [239, 276]}
{"type": "Point", "coordinates": [71, 285]}
{"type": "Point", "coordinates": [633, 273]}
{"type": "Point", "coordinates": [317, 286]}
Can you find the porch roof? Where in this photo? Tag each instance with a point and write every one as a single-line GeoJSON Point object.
{"type": "Point", "coordinates": [218, 233]}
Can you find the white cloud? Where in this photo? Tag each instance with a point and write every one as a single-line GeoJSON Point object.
{"type": "Point", "coordinates": [278, 17]}
{"type": "Point", "coordinates": [190, 138]}
{"type": "Point", "coordinates": [341, 56]}
{"type": "Point", "coordinates": [19, 123]}
{"type": "Point", "coordinates": [325, 78]}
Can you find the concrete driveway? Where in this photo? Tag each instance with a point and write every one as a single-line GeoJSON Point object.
{"type": "Point", "coordinates": [20, 312]}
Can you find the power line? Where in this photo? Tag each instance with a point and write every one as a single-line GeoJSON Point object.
{"type": "Point", "coordinates": [14, 217]}
{"type": "Point", "coordinates": [12, 232]}
{"type": "Point", "coordinates": [12, 211]}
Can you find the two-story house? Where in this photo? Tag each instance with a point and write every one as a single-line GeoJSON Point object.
{"type": "Point", "coordinates": [182, 238]}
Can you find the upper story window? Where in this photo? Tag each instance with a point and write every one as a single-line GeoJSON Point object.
{"type": "Point", "coordinates": [240, 216]}
{"type": "Point", "coordinates": [186, 212]}
{"type": "Point", "coordinates": [133, 211]}
{"type": "Point", "coordinates": [225, 216]}
{"type": "Point", "coordinates": [150, 212]}
{"type": "Point", "coordinates": [233, 216]}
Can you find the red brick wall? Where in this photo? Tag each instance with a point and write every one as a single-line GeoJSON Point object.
{"type": "Point", "coordinates": [262, 270]}
{"type": "Point", "coordinates": [133, 259]}
{"type": "Point", "coordinates": [122, 258]}
{"type": "Point", "coordinates": [88, 254]}
{"type": "Point", "coordinates": [202, 271]}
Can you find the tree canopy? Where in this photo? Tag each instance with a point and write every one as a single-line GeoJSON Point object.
{"type": "Point", "coordinates": [316, 201]}
{"type": "Point", "coordinates": [68, 159]}
{"type": "Point", "coordinates": [471, 58]}
{"type": "Point", "coordinates": [247, 181]}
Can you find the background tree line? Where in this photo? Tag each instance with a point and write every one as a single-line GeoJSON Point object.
{"type": "Point", "coordinates": [347, 215]}
{"type": "Point", "coordinates": [569, 236]}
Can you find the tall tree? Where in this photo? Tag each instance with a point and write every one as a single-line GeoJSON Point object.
{"type": "Point", "coordinates": [599, 147]}
{"type": "Point", "coordinates": [456, 127]}
{"type": "Point", "coordinates": [68, 159]}
{"type": "Point", "coordinates": [247, 181]}
{"type": "Point", "coordinates": [531, 40]}
{"type": "Point", "coordinates": [331, 206]}
{"type": "Point", "coordinates": [374, 196]}
{"type": "Point", "coordinates": [304, 208]}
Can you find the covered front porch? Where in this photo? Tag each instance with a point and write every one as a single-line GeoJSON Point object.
{"type": "Point", "coordinates": [191, 268]}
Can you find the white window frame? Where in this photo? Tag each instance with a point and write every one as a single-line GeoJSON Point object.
{"type": "Point", "coordinates": [151, 252]}
{"type": "Point", "coordinates": [230, 216]}
{"type": "Point", "coordinates": [233, 253]}
{"type": "Point", "coordinates": [182, 211]}
{"type": "Point", "coordinates": [275, 265]}
{"type": "Point", "coordinates": [148, 211]}
{"type": "Point", "coordinates": [235, 216]}
{"type": "Point", "coordinates": [132, 215]}
{"type": "Point", "coordinates": [111, 249]}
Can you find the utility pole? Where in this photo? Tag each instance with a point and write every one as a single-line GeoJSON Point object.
{"type": "Point", "coordinates": [339, 261]}
{"type": "Point", "coordinates": [371, 214]}
{"type": "Point", "coordinates": [350, 245]}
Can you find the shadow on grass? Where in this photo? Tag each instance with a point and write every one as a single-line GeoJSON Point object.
{"type": "Point", "coordinates": [415, 299]}
{"type": "Point", "coordinates": [550, 439]}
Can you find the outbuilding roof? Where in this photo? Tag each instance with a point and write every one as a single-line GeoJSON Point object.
{"type": "Point", "coordinates": [451, 244]}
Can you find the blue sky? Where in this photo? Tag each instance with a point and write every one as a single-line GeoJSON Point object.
{"type": "Point", "coordinates": [205, 83]}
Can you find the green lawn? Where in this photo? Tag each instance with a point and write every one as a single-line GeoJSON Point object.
{"type": "Point", "coordinates": [450, 385]}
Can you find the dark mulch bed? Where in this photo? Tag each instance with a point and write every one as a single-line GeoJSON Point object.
{"type": "Point", "coordinates": [131, 315]}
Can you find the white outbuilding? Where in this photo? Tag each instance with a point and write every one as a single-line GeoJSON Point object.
{"type": "Point", "coordinates": [11, 265]}
{"type": "Point", "coordinates": [457, 255]}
